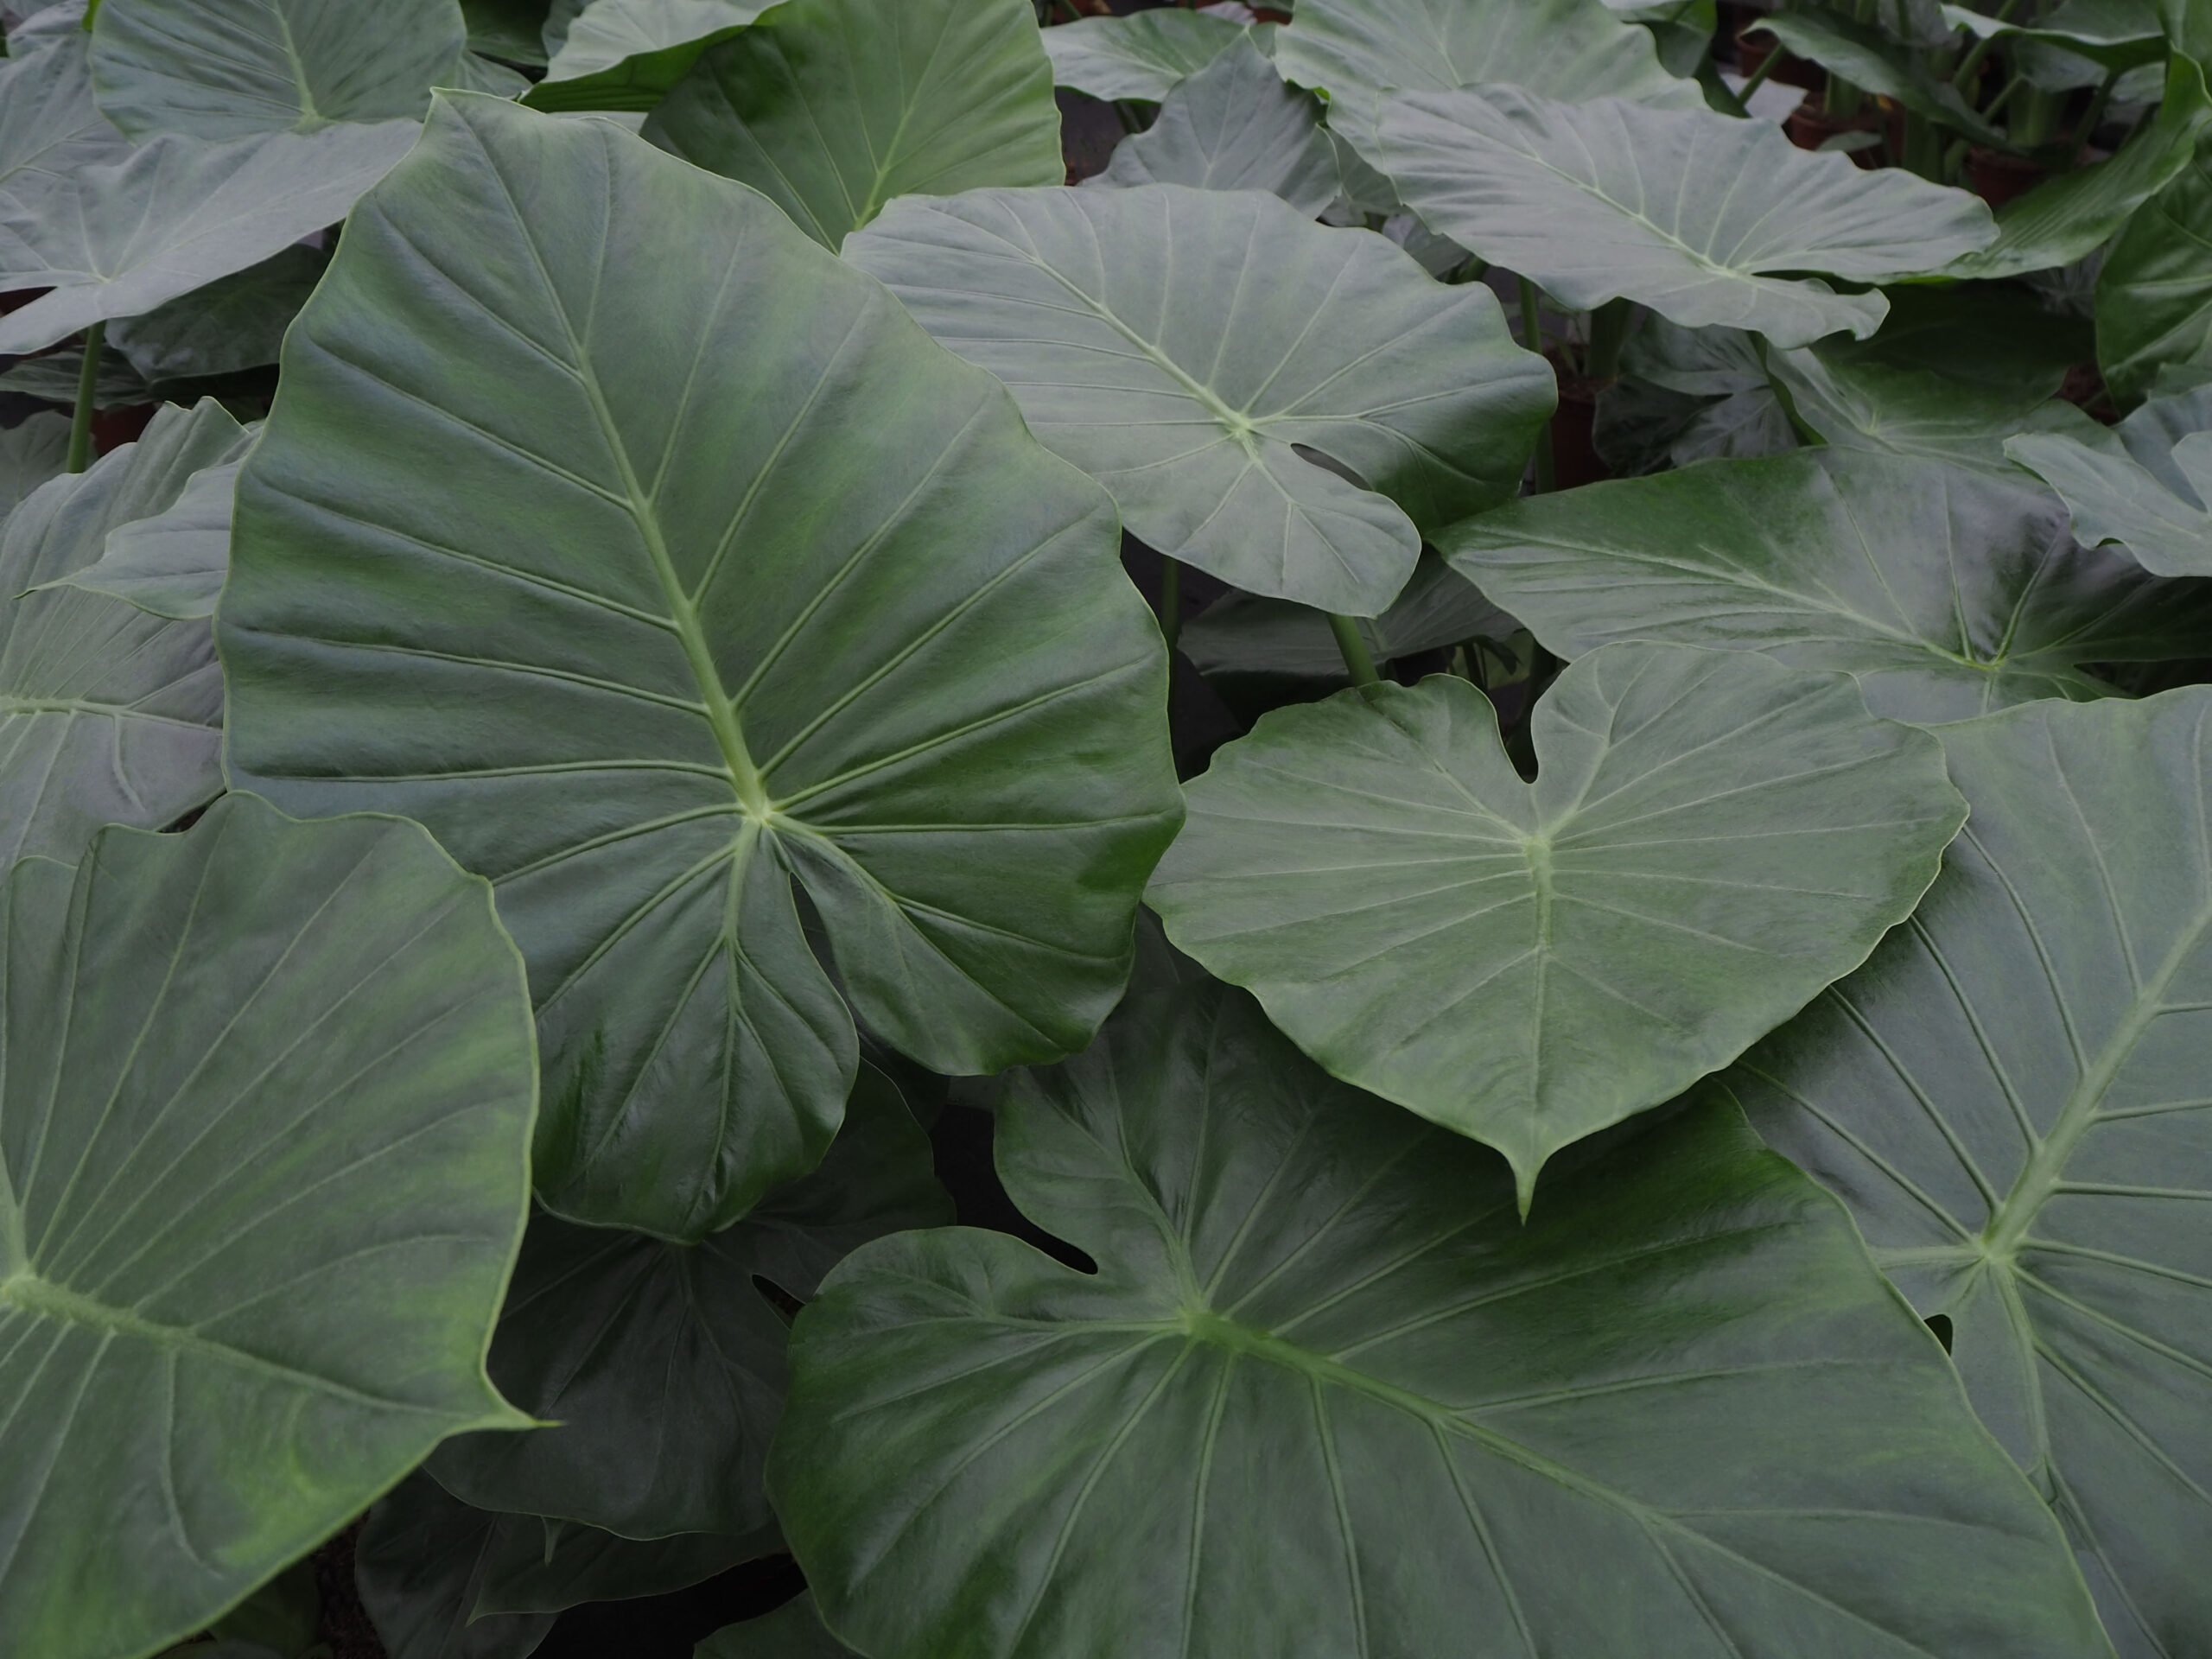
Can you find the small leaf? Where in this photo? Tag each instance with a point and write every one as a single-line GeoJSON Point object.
{"type": "Point", "coordinates": [173, 563]}
{"type": "Point", "coordinates": [1709, 840]}
{"type": "Point", "coordinates": [626, 54]}
{"type": "Point", "coordinates": [1142, 57]}
{"type": "Point", "coordinates": [1181, 345]}
{"type": "Point", "coordinates": [265, 1103]}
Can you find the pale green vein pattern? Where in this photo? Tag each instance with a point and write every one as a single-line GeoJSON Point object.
{"type": "Point", "coordinates": [265, 1102]}
{"type": "Point", "coordinates": [625, 54]}
{"type": "Point", "coordinates": [2012, 1098]}
{"type": "Point", "coordinates": [1709, 840]}
{"type": "Point", "coordinates": [1183, 345]}
{"type": "Point", "coordinates": [1327, 1396]}
{"type": "Point", "coordinates": [224, 69]}
{"type": "Point", "coordinates": [738, 577]}
{"type": "Point", "coordinates": [109, 714]}
{"type": "Point", "coordinates": [1141, 57]}
{"type": "Point", "coordinates": [1948, 592]}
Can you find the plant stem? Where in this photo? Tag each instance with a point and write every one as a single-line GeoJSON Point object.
{"type": "Point", "coordinates": [1609, 326]}
{"type": "Point", "coordinates": [2004, 97]}
{"type": "Point", "coordinates": [1758, 78]}
{"type": "Point", "coordinates": [1981, 49]}
{"type": "Point", "coordinates": [1532, 338]}
{"type": "Point", "coordinates": [2091, 118]}
{"type": "Point", "coordinates": [1357, 657]}
{"type": "Point", "coordinates": [1780, 390]}
{"type": "Point", "coordinates": [88, 391]}
{"type": "Point", "coordinates": [1841, 100]}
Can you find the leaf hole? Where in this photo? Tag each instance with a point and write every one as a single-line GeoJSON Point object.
{"type": "Point", "coordinates": [1940, 1325]}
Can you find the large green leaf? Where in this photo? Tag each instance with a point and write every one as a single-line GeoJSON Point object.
{"type": "Point", "coordinates": [1355, 52]}
{"type": "Point", "coordinates": [2066, 218]}
{"type": "Point", "coordinates": [176, 215]}
{"type": "Point", "coordinates": [50, 130]}
{"type": "Point", "coordinates": [1142, 57]}
{"type": "Point", "coordinates": [1243, 634]}
{"type": "Point", "coordinates": [173, 562]}
{"type": "Point", "coordinates": [1688, 211]}
{"type": "Point", "coordinates": [2154, 294]}
{"type": "Point", "coordinates": [224, 69]}
{"type": "Point", "coordinates": [265, 1103]}
{"type": "Point", "coordinates": [662, 1363]}
{"type": "Point", "coordinates": [108, 713]}
{"type": "Point", "coordinates": [829, 108]}
{"type": "Point", "coordinates": [232, 325]}
{"type": "Point", "coordinates": [1326, 1395]}
{"type": "Point", "coordinates": [739, 579]}
{"type": "Point", "coordinates": [1711, 839]}
{"type": "Point", "coordinates": [2011, 1096]}
{"type": "Point", "coordinates": [1917, 412]}
{"type": "Point", "coordinates": [626, 54]}
{"type": "Point", "coordinates": [1184, 346]}
{"type": "Point", "coordinates": [1948, 592]}
{"type": "Point", "coordinates": [2148, 485]}
{"type": "Point", "coordinates": [1234, 125]}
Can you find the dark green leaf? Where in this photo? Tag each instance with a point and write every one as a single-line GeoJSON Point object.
{"type": "Point", "coordinates": [1326, 1395]}
{"type": "Point", "coordinates": [1863, 55]}
{"type": "Point", "coordinates": [420, 1563]}
{"type": "Point", "coordinates": [2011, 1096]}
{"type": "Point", "coordinates": [794, 1631]}
{"type": "Point", "coordinates": [232, 324]}
{"type": "Point", "coordinates": [741, 579]}
{"type": "Point", "coordinates": [1244, 634]}
{"type": "Point", "coordinates": [535, 1565]}
{"type": "Point", "coordinates": [2154, 295]}
{"type": "Point", "coordinates": [626, 54]}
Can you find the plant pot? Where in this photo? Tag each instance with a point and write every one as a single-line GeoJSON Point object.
{"type": "Point", "coordinates": [1809, 127]}
{"type": "Point", "coordinates": [1997, 176]}
{"type": "Point", "coordinates": [1575, 459]}
{"type": "Point", "coordinates": [1752, 50]}
{"type": "Point", "coordinates": [2085, 389]}
{"type": "Point", "coordinates": [113, 428]}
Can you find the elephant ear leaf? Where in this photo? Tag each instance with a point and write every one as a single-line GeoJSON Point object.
{"type": "Point", "coordinates": [2148, 486]}
{"type": "Point", "coordinates": [1711, 838]}
{"type": "Point", "coordinates": [1326, 1394]}
{"type": "Point", "coordinates": [2011, 1098]}
{"type": "Point", "coordinates": [266, 1101]}
{"type": "Point", "coordinates": [740, 579]}
{"type": "Point", "coordinates": [626, 54]}
{"type": "Point", "coordinates": [1141, 58]}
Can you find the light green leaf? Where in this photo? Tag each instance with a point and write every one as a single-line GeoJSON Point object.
{"type": "Point", "coordinates": [1356, 52]}
{"type": "Point", "coordinates": [1243, 634]}
{"type": "Point", "coordinates": [50, 132]}
{"type": "Point", "coordinates": [1947, 593]}
{"type": "Point", "coordinates": [420, 1563]}
{"type": "Point", "coordinates": [1711, 838]}
{"type": "Point", "coordinates": [794, 1631]}
{"type": "Point", "coordinates": [1327, 1395]}
{"type": "Point", "coordinates": [1688, 211]}
{"type": "Point", "coordinates": [227, 69]}
{"type": "Point", "coordinates": [2065, 217]}
{"type": "Point", "coordinates": [2148, 485]}
{"type": "Point", "coordinates": [29, 454]}
{"type": "Point", "coordinates": [1869, 60]}
{"type": "Point", "coordinates": [108, 713]}
{"type": "Point", "coordinates": [626, 54]}
{"type": "Point", "coordinates": [2011, 1096]}
{"type": "Point", "coordinates": [1917, 412]}
{"type": "Point", "coordinates": [829, 108]}
{"type": "Point", "coordinates": [2154, 294]}
{"type": "Point", "coordinates": [179, 213]}
{"type": "Point", "coordinates": [233, 324]}
{"type": "Point", "coordinates": [742, 579]}
{"type": "Point", "coordinates": [1183, 345]}
{"type": "Point", "coordinates": [263, 1167]}
{"type": "Point", "coordinates": [1141, 57]}
{"type": "Point", "coordinates": [1234, 125]}
{"type": "Point", "coordinates": [472, 73]}
{"type": "Point", "coordinates": [662, 1363]}
{"type": "Point", "coordinates": [172, 564]}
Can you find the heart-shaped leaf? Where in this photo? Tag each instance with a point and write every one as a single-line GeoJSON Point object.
{"type": "Point", "coordinates": [265, 1102]}
{"type": "Point", "coordinates": [1234, 125]}
{"type": "Point", "coordinates": [1711, 838]}
{"type": "Point", "coordinates": [225, 69]}
{"type": "Point", "coordinates": [662, 1363]}
{"type": "Point", "coordinates": [1141, 57]}
{"type": "Point", "coordinates": [2154, 294]}
{"type": "Point", "coordinates": [2147, 486]}
{"type": "Point", "coordinates": [1947, 593]}
{"type": "Point", "coordinates": [626, 54]}
{"type": "Point", "coordinates": [109, 714]}
{"type": "Point", "coordinates": [1326, 1395]}
{"type": "Point", "coordinates": [1688, 211]}
{"type": "Point", "coordinates": [1184, 346]}
{"type": "Point", "coordinates": [741, 579]}
{"type": "Point", "coordinates": [179, 214]}
{"type": "Point", "coordinates": [50, 132]}
{"type": "Point", "coordinates": [829, 108]}
{"type": "Point", "coordinates": [2011, 1096]}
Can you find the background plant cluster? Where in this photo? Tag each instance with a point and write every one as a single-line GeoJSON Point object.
{"type": "Point", "coordinates": [1519, 683]}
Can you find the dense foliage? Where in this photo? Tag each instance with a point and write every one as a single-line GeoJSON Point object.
{"type": "Point", "coordinates": [1522, 684]}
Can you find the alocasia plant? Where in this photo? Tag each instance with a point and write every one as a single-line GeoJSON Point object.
{"type": "Point", "coordinates": [613, 612]}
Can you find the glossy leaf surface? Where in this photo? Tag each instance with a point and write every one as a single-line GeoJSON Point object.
{"type": "Point", "coordinates": [1711, 839]}
{"type": "Point", "coordinates": [266, 1101]}
{"type": "Point", "coordinates": [1234, 125]}
{"type": "Point", "coordinates": [1326, 1393]}
{"type": "Point", "coordinates": [2011, 1098]}
{"type": "Point", "coordinates": [1689, 212]}
{"type": "Point", "coordinates": [225, 69]}
{"type": "Point", "coordinates": [1949, 593]}
{"type": "Point", "coordinates": [1181, 345]}
{"type": "Point", "coordinates": [826, 613]}
{"type": "Point", "coordinates": [829, 108]}
{"type": "Point", "coordinates": [108, 713]}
